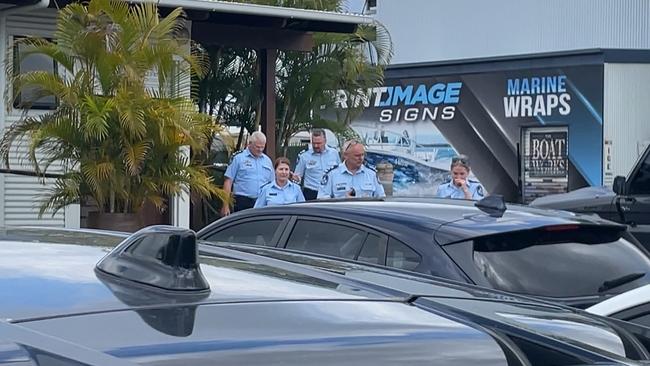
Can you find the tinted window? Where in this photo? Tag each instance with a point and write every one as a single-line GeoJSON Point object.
{"type": "Point", "coordinates": [640, 183]}
{"type": "Point", "coordinates": [326, 238]}
{"type": "Point", "coordinates": [399, 255]}
{"type": "Point", "coordinates": [370, 253]}
{"type": "Point", "coordinates": [641, 320]}
{"type": "Point", "coordinates": [259, 232]}
{"type": "Point", "coordinates": [33, 62]}
{"type": "Point", "coordinates": [529, 263]}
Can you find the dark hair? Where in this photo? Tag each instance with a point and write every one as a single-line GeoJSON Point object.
{"type": "Point", "coordinates": [460, 160]}
{"type": "Point", "coordinates": [315, 132]}
{"type": "Point", "coordinates": [281, 160]}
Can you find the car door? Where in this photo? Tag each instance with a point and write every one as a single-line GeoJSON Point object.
{"type": "Point", "coordinates": [635, 205]}
{"type": "Point", "coordinates": [335, 238]}
{"type": "Point", "coordinates": [253, 230]}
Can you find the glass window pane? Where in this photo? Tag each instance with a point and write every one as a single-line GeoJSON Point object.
{"type": "Point", "coordinates": [34, 62]}
{"type": "Point", "coordinates": [399, 255]}
{"type": "Point", "coordinates": [641, 181]}
{"type": "Point", "coordinates": [641, 320]}
{"type": "Point", "coordinates": [326, 238]}
{"type": "Point", "coordinates": [259, 232]}
{"type": "Point", "coordinates": [370, 251]}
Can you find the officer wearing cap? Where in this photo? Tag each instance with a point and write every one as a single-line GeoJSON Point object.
{"type": "Point", "coordinates": [248, 171]}
{"type": "Point", "coordinates": [281, 190]}
{"type": "Point", "coordinates": [460, 186]}
{"type": "Point", "coordinates": [314, 162]}
{"type": "Point", "coordinates": [351, 178]}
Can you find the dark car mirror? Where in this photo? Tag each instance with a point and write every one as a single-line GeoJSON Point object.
{"type": "Point", "coordinates": [619, 185]}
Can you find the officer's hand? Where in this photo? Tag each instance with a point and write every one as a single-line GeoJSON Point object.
{"type": "Point", "coordinates": [225, 210]}
{"type": "Point", "coordinates": [459, 182]}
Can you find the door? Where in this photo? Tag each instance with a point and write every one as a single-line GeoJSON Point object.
{"type": "Point", "coordinates": [635, 205]}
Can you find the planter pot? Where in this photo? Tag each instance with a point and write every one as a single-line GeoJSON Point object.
{"type": "Point", "coordinates": [128, 222]}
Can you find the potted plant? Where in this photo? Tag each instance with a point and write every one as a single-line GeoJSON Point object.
{"type": "Point", "coordinates": [123, 143]}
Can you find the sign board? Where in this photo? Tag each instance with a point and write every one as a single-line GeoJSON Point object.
{"type": "Point", "coordinates": [545, 161]}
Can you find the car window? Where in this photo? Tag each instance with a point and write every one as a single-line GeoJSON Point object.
{"type": "Point", "coordinates": [640, 183]}
{"type": "Point", "coordinates": [560, 264]}
{"type": "Point", "coordinates": [399, 255]}
{"type": "Point", "coordinates": [371, 250]}
{"type": "Point", "coordinates": [258, 232]}
{"type": "Point", "coordinates": [326, 238]}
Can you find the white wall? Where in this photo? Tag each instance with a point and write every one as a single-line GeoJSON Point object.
{"type": "Point", "coordinates": [434, 30]}
{"type": "Point", "coordinates": [21, 196]}
{"type": "Point", "coordinates": [626, 115]}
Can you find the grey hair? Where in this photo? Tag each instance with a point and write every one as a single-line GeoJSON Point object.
{"type": "Point", "coordinates": [348, 144]}
{"type": "Point", "coordinates": [257, 136]}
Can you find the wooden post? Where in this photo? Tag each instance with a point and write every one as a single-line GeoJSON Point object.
{"type": "Point", "coordinates": [267, 60]}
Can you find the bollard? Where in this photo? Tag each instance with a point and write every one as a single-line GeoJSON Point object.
{"type": "Point", "coordinates": [385, 175]}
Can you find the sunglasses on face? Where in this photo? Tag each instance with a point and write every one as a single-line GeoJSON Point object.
{"type": "Point", "coordinates": [463, 161]}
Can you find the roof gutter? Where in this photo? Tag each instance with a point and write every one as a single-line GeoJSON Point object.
{"type": "Point", "coordinates": [39, 4]}
{"type": "Point", "coordinates": [264, 10]}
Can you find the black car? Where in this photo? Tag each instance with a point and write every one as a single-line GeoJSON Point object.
{"type": "Point", "coordinates": [628, 202]}
{"type": "Point", "coordinates": [160, 298]}
{"type": "Point", "coordinates": [573, 259]}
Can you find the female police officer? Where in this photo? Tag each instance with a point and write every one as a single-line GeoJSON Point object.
{"type": "Point", "coordinates": [281, 190]}
{"type": "Point", "coordinates": [460, 186]}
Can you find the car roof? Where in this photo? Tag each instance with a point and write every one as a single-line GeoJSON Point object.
{"type": "Point", "coordinates": [620, 302]}
{"type": "Point", "coordinates": [453, 220]}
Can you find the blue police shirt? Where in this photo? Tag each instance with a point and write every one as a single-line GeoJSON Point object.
{"type": "Point", "coordinates": [271, 194]}
{"type": "Point", "coordinates": [449, 190]}
{"type": "Point", "coordinates": [249, 173]}
{"type": "Point", "coordinates": [338, 181]}
{"type": "Point", "coordinates": [311, 165]}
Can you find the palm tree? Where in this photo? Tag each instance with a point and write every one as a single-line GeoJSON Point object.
{"type": "Point", "coordinates": [120, 138]}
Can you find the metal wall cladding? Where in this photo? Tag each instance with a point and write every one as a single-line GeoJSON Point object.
{"type": "Point", "coordinates": [626, 116]}
{"type": "Point", "coordinates": [436, 30]}
{"type": "Point", "coordinates": [22, 195]}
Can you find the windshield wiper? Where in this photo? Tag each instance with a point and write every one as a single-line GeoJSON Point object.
{"type": "Point", "coordinates": [608, 285]}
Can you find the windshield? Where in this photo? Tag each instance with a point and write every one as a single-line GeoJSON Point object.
{"type": "Point", "coordinates": [570, 265]}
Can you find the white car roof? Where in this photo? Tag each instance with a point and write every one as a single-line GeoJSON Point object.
{"type": "Point", "coordinates": [618, 303]}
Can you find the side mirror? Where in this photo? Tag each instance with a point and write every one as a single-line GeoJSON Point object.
{"type": "Point", "coordinates": [619, 185]}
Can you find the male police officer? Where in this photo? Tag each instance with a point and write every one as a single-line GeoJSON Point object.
{"type": "Point", "coordinates": [314, 162]}
{"type": "Point", "coordinates": [460, 186]}
{"type": "Point", "coordinates": [351, 178]}
{"type": "Point", "coordinates": [248, 171]}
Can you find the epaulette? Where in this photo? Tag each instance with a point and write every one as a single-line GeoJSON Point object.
{"type": "Point", "coordinates": [265, 184]}
{"type": "Point", "coordinates": [303, 151]}
{"type": "Point", "coordinates": [473, 181]}
{"type": "Point", "coordinates": [330, 169]}
{"type": "Point", "coordinates": [235, 154]}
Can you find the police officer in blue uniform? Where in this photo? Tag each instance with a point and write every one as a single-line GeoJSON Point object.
{"type": "Point", "coordinates": [460, 186]}
{"type": "Point", "coordinates": [314, 162]}
{"type": "Point", "coordinates": [248, 171]}
{"type": "Point", "coordinates": [351, 178]}
{"type": "Point", "coordinates": [281, 190]}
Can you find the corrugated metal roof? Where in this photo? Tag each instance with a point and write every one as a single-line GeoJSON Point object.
{"type": "Point", "coordinates": [266, 10]}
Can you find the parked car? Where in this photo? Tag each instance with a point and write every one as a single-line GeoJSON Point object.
{"type": "Point", "coordinates": [632, 306]}
{"type": "Point", "coordinates": [628, 203]}
{"type": "Point", "coordinates": [160, 298]}
{"type": "Point", "coordinates": [573, 259]}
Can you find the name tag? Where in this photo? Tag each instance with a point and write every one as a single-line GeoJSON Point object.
{"type": "Point", "coordinates": [340, 186]}
{"type": "Point", "coordinates": [273, 194]}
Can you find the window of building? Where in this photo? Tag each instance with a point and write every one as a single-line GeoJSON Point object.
{"type": "Point", "coordinates": [25, 98]}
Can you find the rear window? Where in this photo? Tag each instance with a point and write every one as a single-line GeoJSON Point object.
{"type": "Point", "coordinates": [559, 262]}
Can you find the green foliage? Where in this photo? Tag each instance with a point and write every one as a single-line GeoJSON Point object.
{"type": "Point", "coordinates": [307, 82]}
{"type": "Point", "coordinates": [119, 140]}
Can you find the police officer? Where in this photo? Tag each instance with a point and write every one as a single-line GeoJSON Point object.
{"type": "Point", "coordinates": [280, 191]}
{"type": "Point", "coordinates": [460, 186]}
{"type": "Point", "coordinates": [351, 178]}
{"type": "Point", "coordinates": [314, 162]}
{"type": "Point", "coordinates": [248, 171]}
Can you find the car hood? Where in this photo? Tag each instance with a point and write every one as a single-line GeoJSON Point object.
{"type": "Point", "coordinates": [583, 197]}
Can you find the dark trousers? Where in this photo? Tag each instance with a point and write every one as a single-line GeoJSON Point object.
{"type": "Point", "coordinates": [243, 202]}
{"type": "Point", "coordinates": [309, 194]}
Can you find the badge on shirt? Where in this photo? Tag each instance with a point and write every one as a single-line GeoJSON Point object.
{"type": "Point", "coordinates": [248, 164]}
{"type": "Point", "coordinates": [340, 187]}
{"type": "Point", "coordinates": [311, 163]}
